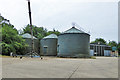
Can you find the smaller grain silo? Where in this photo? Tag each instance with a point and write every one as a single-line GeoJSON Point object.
{"type": "Point", "coordinates": [48, 45]}
{"type": "Point", "coordinates": [28, 41]}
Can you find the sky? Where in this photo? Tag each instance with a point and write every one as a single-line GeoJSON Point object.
{"type": "Point", "coordinates": [99, 17]}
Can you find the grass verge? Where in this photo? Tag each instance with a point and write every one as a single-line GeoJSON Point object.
{"type": "Point", "coordinates": [93, 57]}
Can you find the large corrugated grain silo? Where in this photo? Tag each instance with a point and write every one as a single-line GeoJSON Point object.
{"type": "Point", "coordinates": [74, 43]}
{"type": "Point", "coordinates": [49, 45]}
{"type": "Point", "coordinates": [28, 41]}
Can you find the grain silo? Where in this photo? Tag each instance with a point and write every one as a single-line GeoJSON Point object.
{"type": "Point", "coordinates": [74, 43]}
{"type": "Point", "coordinates": [49, 45]}
{"type": "Point", "coordinates": [28, 41]}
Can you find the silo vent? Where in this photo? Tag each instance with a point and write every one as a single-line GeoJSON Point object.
{"type": "Point", "coordinates": [73, 27]}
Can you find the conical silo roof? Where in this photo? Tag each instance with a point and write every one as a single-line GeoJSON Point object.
{"type": "Point", "coordinates": [51, 36]}
{"type": "Point", "coordinates": [27, 35]}
{"type": "Point", "coordinates": [73, 30]}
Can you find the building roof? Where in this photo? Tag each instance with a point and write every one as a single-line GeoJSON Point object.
{"type": "Point", "coordinates": [51, 36]}
{"type": "Point", "coordinates": [99, 43]}
{"type": "Point", "coordinates": [27, 35]}
{"type": "Point", "coordinates": [73, 30]}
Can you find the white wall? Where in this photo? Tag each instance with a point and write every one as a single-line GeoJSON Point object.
{"type": "Point", "coordinates": [91, 52]}
{"type": "Point", "coordinates": [107, 52]}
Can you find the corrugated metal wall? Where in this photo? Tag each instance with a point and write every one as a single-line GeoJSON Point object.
{"type": "Point", "coordinates": [29, 42]}
{"type": "Point", "coordinates": [74, 45]}
{"type": "Point", "coordinates": [48, 47]}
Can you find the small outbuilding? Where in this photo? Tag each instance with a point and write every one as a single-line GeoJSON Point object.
{"type": "Point", "coordinates": [48, 45]}
{"type": "Point", "coordinates": [100, 49]}
{"type": "Point", "coordinates": [28, 40]}
{"type": "Point", "coordinates": [74, 43]}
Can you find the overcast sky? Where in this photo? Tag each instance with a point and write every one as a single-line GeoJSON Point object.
{"type": "Point", "coordinates": [100, 18]}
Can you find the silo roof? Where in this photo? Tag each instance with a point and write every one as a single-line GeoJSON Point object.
{"type": "Point", "coordinates": [74, 30]}
{"type": "Point", "coordinates": [27, 35]}
{"type": "Point", "coordinates": [51, 36]}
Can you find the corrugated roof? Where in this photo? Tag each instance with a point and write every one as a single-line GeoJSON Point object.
{"type": "Point", "coordinates": [99, 43]}
{"type": "Point", "coordinates": [27, 35]}
{"type": "Point", "coordinates": [74, 30]}
{"type": "Point", "coordinates": [51, 36]}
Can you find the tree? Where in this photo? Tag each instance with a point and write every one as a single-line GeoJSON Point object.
{"type": "Point", "coordinates": [53, 32]}
{"type": "Point", "coordinates": [99, 40]}
{"type": "Point", "coordinates": [38, 32]}
{"type": "Point", "coordinates": [112, 43]}
{"type": "Point", "coordinates": [118, 46]}
{"type": "Point", "coordinates": [11, 41]}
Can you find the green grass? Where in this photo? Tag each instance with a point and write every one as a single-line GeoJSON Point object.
{"type": "Point", "coordinates": [4, 56]}
{"type": "Point", "coordinates": [93, 57]}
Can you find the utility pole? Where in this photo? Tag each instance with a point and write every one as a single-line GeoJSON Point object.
{"type": "Point", "coordinates": [31, 27]}
{"type": "Point", "coordinates": [33, 50]}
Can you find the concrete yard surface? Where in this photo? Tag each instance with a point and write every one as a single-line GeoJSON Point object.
{"type": "Point", "coordinates": [50, 67]}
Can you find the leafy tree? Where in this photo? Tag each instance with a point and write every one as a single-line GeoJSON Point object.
{"type": "Point", "coordinates": [11, 41]}
{"type": "Point", "coordinates": [118, 46]}
{"type": "Point", "coordinates": [38, 32]}
{"type": "Point", "coordinates": [99, 40]}
{"type": "Point", "coordinates": [5, 48]}
{"type": "Point", "coordinates": [53, 32]}
{"type": "Point", "coordinates": [112, 43]}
